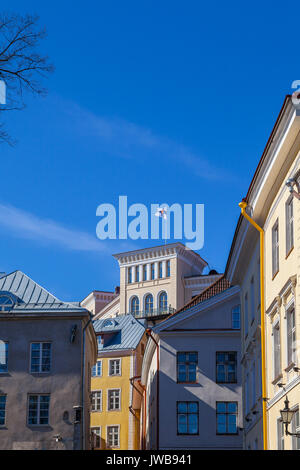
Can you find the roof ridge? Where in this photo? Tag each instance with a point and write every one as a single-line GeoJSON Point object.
{"type": "Point", "coordinates": [194, 302]}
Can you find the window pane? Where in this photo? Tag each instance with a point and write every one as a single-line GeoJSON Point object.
{"type": "Point", "coordinates": [193, 423]}
{"type": "Point", "coordinates": [232, 407]}
{"type": "Point", "coordinates": [182, 407]}
{"type": "Point", "coordinates": [221, 407]}
{"type": "Point", "coordinates": [193, 407]}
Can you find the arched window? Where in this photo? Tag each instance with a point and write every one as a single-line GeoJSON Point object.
{"type": "Point", "coordinates": [163, 302]}
{"type": "Point", "coordinates": [6, 302]}
{"type": "Point", "coordinates": [135, 305]}
{"type": "Point", "coordinates": [149, 303]}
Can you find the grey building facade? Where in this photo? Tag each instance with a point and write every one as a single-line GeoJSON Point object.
{"type": "Point", "coordinates": [47, 349]}
{"type": "Point", "coordinates": [194, 395]}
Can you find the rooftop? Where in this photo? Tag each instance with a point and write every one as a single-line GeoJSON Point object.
{"type": "Point", "coordinates": [119, 333]}
{"type": "Point", "coordinates": [26, 294]}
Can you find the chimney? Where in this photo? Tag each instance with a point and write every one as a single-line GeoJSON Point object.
{"type": "Point", "coordinates": [117, 290]}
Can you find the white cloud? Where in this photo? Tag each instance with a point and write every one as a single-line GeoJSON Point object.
{"type": "Point", "coordinates": [26, 225]}
{"type": "Point", "coordinates": [127, 140]}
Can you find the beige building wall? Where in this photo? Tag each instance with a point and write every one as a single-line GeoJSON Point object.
{"type": "Point", "coordinates": [282, 295]}
{"type": "Point", "coordinates": [185, 281]}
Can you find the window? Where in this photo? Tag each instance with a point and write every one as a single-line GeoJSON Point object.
{"type": "Point", "coordinates": [295, 429]}
{"type": "Point", "coordinates": [149, 303]}
{"type": "Point", "coordinates": [3, 357]}
{"type": "Point", "coordinates": [291, 335]}
{"type": "Point", "coordinates": [152, 271]}
{"type": "Point", "coordinates": [135, 305]}
{"type": "Point", "coordinates": [252, 300]}
{"type": "Point", "coordinates": [289, 225]}
{"type": "Point", "coordinates": [236, 318]}
{"type": "Point", "coordinates": [97, 400]}
{"type": "Point", "coordinates": [137, 274]}
{"type": "Point", "coordinates": [114, 401]}
{"type": "Point", "coordinates": [6, 303]}
{"type": "Point", "coordinates": [129, 275]}
{"type": "Point", "coordinates": [226, 367]}
{"type": "Point", "coordinates": [114, 367]}
{"type": "Point", "coordinates": [96, 437]}
{"type": "Point", "coordinates": [187, 366]}
{"type": "Point", "coordinates": [280, 434]}
{"type": "Point", "coordinates": [144, 272]}
{"type": "Point", "coordinates": [276, 350]}
{"type": "Point", "coordinates": [275, 249]}
{"type": "Point", "coordinates": [2, 409]}
{"type": "Point", "coordinates": [160, 273]}
{"type": "Point", "coordinates": [187, 417]}
{"type": "Point", "coordinates": [113, 436]}
{"type": "Point", "coordinates": [97, 369]}
{"type": "Point", "coordinates": [163, 302]}
{"type": "Point", "coordinates": [227, 417]}
{"type": "Point", "coordinates": [38, 409]}
{"type": "Point", "coordinates": [246, 315]}
{"type": "Point", "coordinates": [168, 268]}
{"type": "Point", "coordinates": [40, 360]}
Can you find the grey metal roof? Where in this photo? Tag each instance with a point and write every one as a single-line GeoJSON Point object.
{"type": "Point", "coordinates": [121, 332]}
{"type": "Point", "coordinates": [28, 295]}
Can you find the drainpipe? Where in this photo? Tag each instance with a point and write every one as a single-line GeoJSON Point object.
{"type": "Point", "coordinates": [149, 333]}
{"type": "Point", "coordinates": [243, 206]}
{"type": "Point", "coordinates": [144, 417]}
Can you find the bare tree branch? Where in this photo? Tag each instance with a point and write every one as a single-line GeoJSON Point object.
{"type": "Point", "coordinates": [22, 68]}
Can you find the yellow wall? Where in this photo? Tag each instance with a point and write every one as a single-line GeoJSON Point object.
{"type": "Point", "coordinates": [280, 291]}
{"type": "Point", "coordinates": [106, 418]}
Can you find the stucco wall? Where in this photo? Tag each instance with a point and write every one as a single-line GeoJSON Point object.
{"type": "Point", "coordinates": [63, 383]}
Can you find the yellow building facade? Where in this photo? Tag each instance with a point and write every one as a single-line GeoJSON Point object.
{"type": "Point", "coordinates": [114, 423]}
{"type": "Point", "coordinates": [272, 202]}
{"type": "Point", "coordinates": [282, 257]}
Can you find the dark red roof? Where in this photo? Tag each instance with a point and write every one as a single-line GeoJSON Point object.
{"type": "Point", "coordinates": [217, 287]}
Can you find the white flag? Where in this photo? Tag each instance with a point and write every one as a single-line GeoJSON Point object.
{"type": "Point", "coordinates": [161, 212]}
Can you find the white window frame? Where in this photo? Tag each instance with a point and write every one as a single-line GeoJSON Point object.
{"type": "Point", "coordinates": [275, 249]}
{"type": "Point", "coordinates": [295, 429]}
{"type": "Point", "coordinates": [39, 395]}
{"type": "Point", "coordinates": [289, 225]}
{"type": "Point", "coordinates": [101, 401]}
{"type": "Point", "coordinates": [289, 306]}
{"type": "Point", "coordinates": [276, 326]}
{"type": "Point", "coordinates": [280, 434]}
{"type": "Point", "coordinates": [41, 357]}
{"type": "Point", "coordinates": [98, 435]}
{"type": "Point", "coordinates": [96, 365]}
{"type": "Point", "coordinates": [120, 399]}
{"type": "Point", "coordinates": [120, 367]}
{"type": "Point", "coordinates": [5, 344]}
{"type": "Point", "coordinates": [107, 428]}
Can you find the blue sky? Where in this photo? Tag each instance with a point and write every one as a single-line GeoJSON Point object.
{"type": "Point", "coordinates": [162, 101]}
